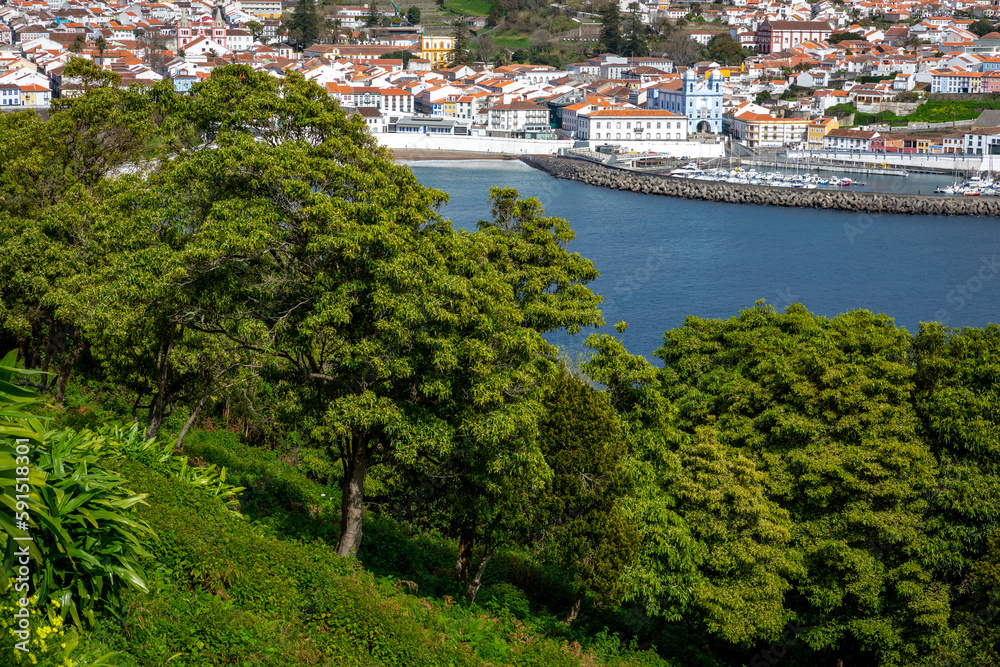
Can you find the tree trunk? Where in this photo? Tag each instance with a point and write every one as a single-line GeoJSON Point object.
{"type": "Point", "coordinates": [661, 624]}
{"type": "Point", "coordinates": [159, 404]}
{"type": "Point", "coordinates": [190, 422]}
{"type": "Point", "coordinates": [466, 542]}
{"type": "Point", "coordinates": [574, 609]}
{"type": "Point", "coordinates": [68, 362]}
{"type": "Point", "coordinates": [53, 348]}
{"type": "Point", "coordinates": [352, 498]}
{"type": "Point", "coordinates": [477, 579]}
{"type": "Point", "coordinates": [209, 390]}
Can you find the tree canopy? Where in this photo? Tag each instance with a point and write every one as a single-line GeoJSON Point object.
{"type": "Point", "coordinates": [770, 476]}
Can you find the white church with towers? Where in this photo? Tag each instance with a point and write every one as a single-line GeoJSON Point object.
{"type": "Point", "coordinates": [699, 98]}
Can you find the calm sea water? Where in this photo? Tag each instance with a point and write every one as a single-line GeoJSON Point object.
{"type": "Point", "coordinates": [662, 259]}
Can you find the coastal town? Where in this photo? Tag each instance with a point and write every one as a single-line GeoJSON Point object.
{"type": "Point", "coordinates": [843, 78]}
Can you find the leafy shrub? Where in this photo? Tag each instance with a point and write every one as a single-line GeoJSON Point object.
{"type": "Point", "coordinates": [49, 643]}
{"type": "Point", "coordinates": [85, 543]}
{"type": "Point", "coordinates": [132, 442]}
{"type": "Point", "coordinates": [504, 597]}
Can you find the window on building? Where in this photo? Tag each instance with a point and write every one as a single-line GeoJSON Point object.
{"type": "Point", "coordinates": [618, 125]}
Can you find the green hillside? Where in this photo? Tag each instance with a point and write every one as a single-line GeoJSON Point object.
{"type": "Point", "coordinates": [264, 405]}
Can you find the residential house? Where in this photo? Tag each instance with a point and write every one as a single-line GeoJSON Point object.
{"type": "Point", "coordinates": [10, 95]}
{"type": "Point", "coordinates": [853, 140]}
{"type": "Point", "coordinates": [751, 125]}
{"type": "Point", "coordinates": [954, 142]}
{"type": "Point", "coordinates": [508, 120]}
{"type": "Point", "coordinates": [956, 81]}
{"type": "Point", "coordinates": [982, 141]}
{"type": "Point", "coordinates": [372, 118]}
{"type": "Point", "coordinates": [818, 129]}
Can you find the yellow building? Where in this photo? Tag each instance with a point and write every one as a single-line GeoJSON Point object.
{"type": "Point", "coordinates": [265, 9]}
{"type": "Point", "coordinates": [33, 95]}
{"type": "Point", "coordinates": [437, 49]}
{"type": "Point", "coordinates": [819, 129]}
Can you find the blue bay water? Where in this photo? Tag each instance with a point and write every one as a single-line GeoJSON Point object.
{"type": "Point", "coordinates": [662, 259]}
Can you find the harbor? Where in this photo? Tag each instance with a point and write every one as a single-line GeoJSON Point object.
{"type": "Point", "coordinates": [751, 176]}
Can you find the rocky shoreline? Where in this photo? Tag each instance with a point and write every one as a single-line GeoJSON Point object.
{"type": "Point", "coordinates": [733, 193]}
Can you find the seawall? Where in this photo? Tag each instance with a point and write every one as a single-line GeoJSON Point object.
{"type": "Point", "coordinates": [734, 193]}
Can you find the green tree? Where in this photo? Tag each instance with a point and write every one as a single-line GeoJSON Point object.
{"type": "Point", "coordinates": [713, 544]}
{"type": "Point", "coordinates": [461, 53]}
{"type": "Point", "coordinates": [955, 398]}
{"type": "Point", "coordinates": [981, 27]}
{"type": "Point", "coordinates": [635, 44]}
{"type": "Point", "coordinates": [303, 25]}
{"type": "Point", "coordinates": [590, 536]}
{"type": "Point", "coordinates": [843, 36]}
{"type": "Point", "coordinates": [490, 503]}
{"type": "Point", "coordinates": [402, 54]}
{"type": "Point", "coordinates": [256, 29]}
{"type": "Point", "coordinates": [725, 50]}
{"type": "Point", "coordinates": [337, 259]}
{"type": "Point", "coordinates": [822, 408]}
{"type": "Point", "coordinates": [612, 37]}
{"type": "Point", "coordinates": [413, 15]}
{"type": "Point", "coordinates": [51, 177]}
{"type": "Point", "coordinates": [374, 17]}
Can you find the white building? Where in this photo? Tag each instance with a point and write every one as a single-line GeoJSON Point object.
{"type": "Point", "coordinates": [631, 125]}
{"type": "Point", "coordinates": [509, 119]}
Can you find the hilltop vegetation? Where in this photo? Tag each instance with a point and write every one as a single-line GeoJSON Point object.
{"type": "Point", "coordinates": [320, 426]}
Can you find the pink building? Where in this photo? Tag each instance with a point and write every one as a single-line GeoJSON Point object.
{"type": "Point", "coordinates": [217, 33]}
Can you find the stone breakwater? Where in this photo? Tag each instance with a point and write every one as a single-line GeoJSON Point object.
{"type": "Point", "coordinates": [734, 193]}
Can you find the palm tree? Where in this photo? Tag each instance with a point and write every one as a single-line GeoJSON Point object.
{"type": "Point", "coordinates": [332, 27]}
{"type": "Point", "coordinates": [101, 44]}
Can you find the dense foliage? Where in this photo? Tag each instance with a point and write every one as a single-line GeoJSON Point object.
{"type": "Point", "coordinates": [244, 270]}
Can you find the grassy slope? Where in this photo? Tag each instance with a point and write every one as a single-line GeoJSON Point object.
{"type": "Point", "coordinates": [469, 7]}
{"type": "Point", "coordinates": [265, 587]}
{"type": "Point", "coordinates": [933, 111]}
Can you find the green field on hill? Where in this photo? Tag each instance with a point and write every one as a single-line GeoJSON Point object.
{"type": "Point", "coordinates": [469, 7]}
